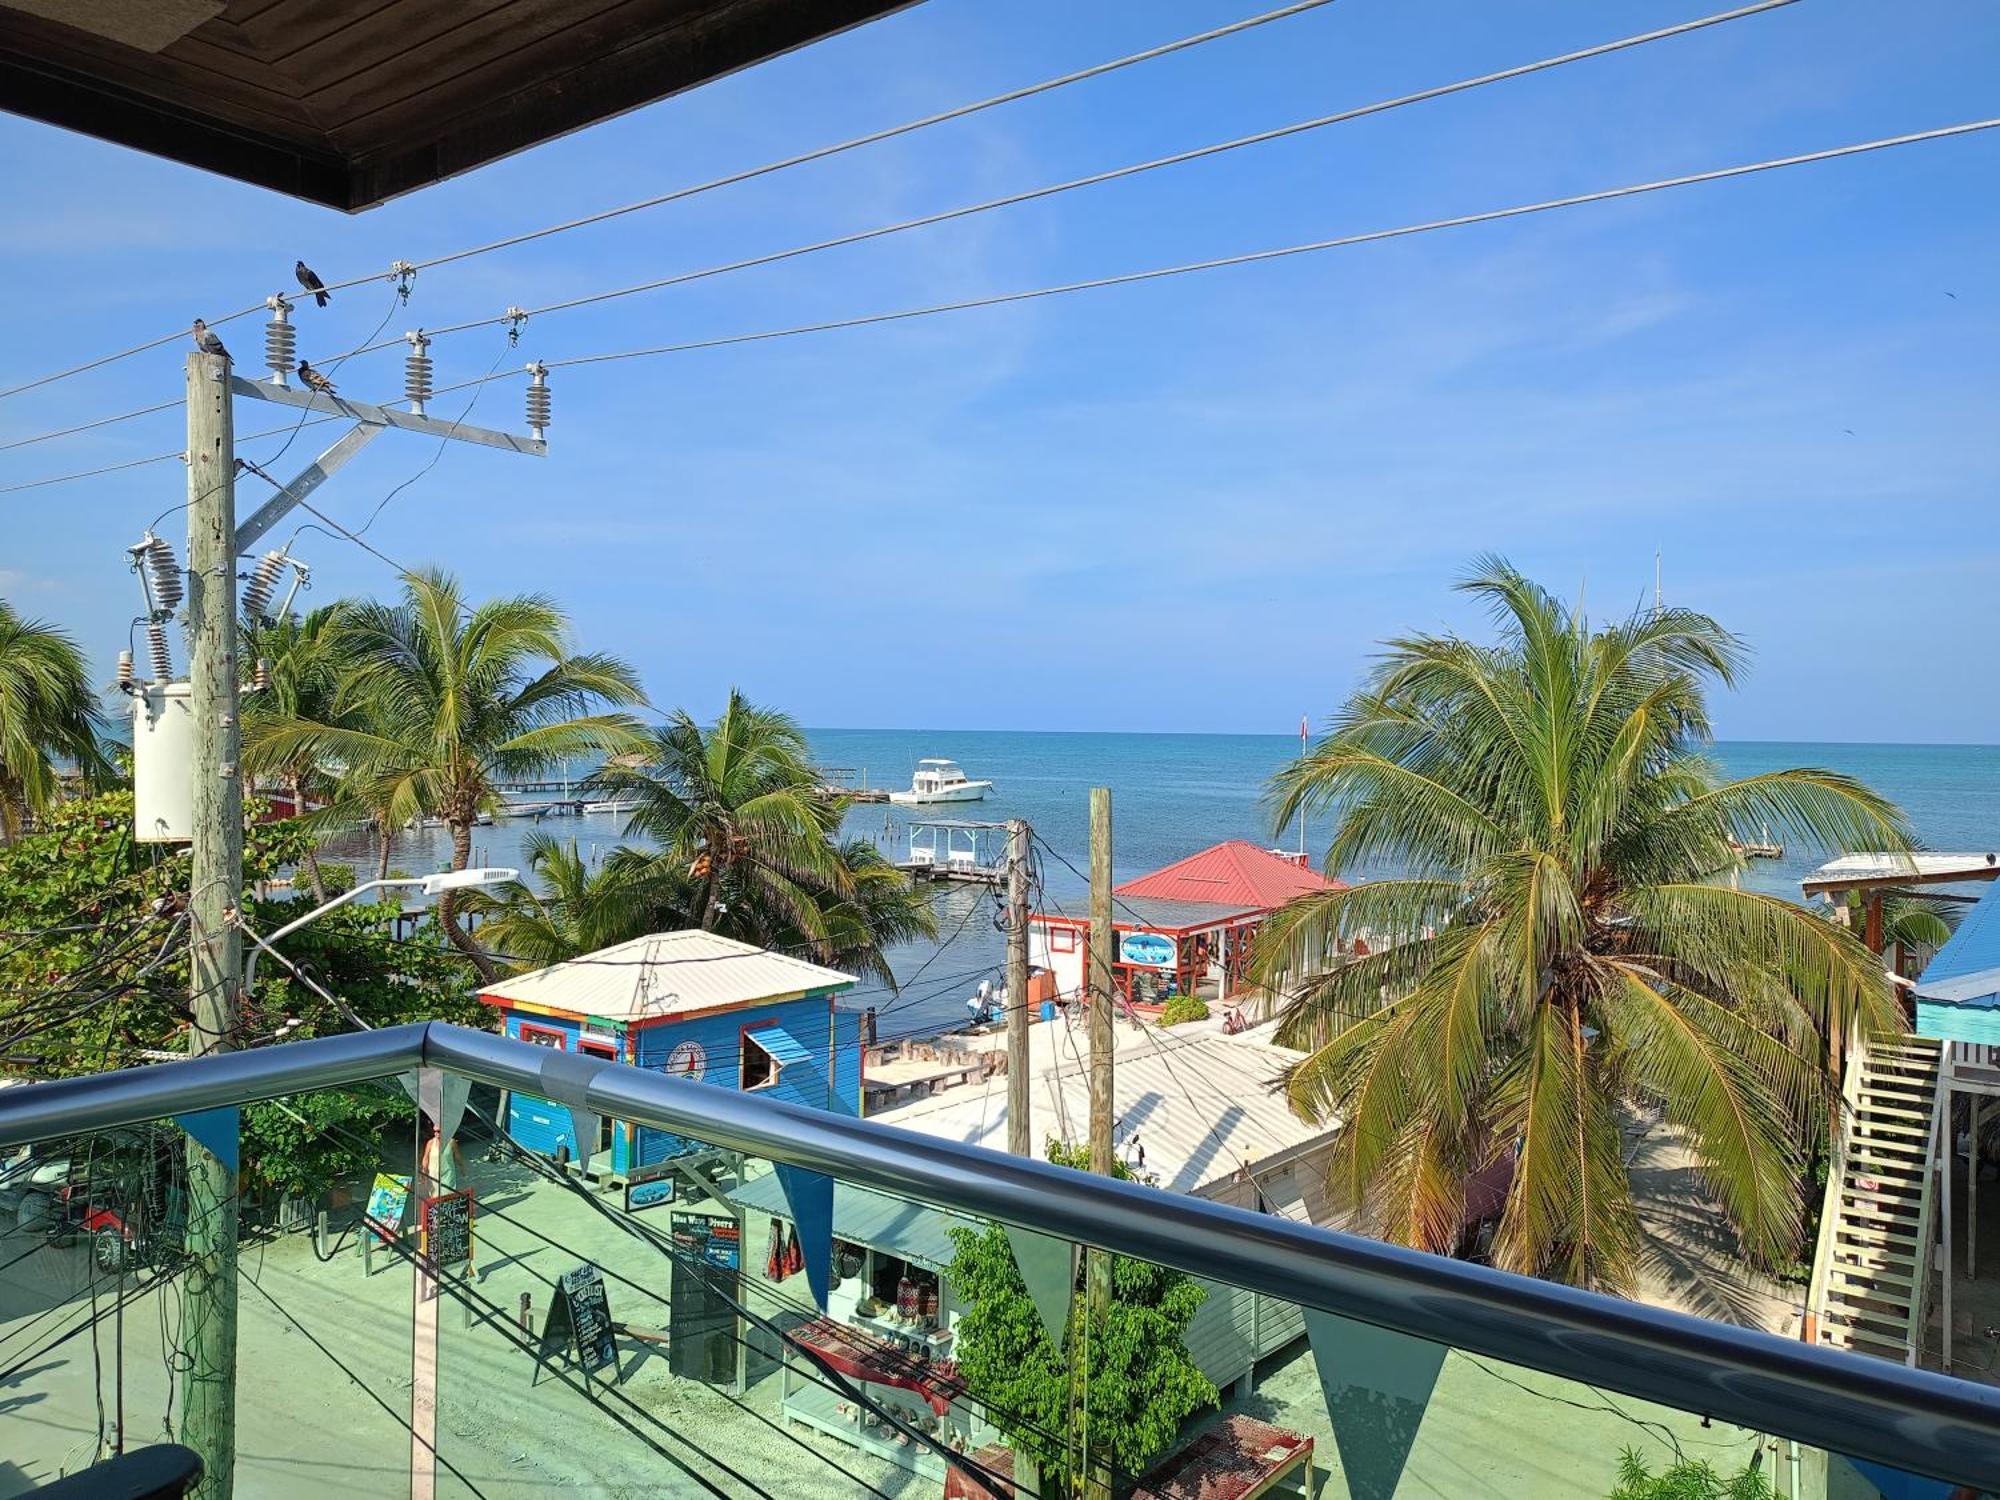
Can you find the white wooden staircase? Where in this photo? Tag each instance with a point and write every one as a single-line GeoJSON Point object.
{"type": "Point", "coordinates": [1872, 1270]}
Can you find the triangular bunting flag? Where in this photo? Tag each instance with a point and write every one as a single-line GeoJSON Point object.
{"type": "Point", "coordinates": [455, 1091]}
{"type": "Point", "coordinates": [809, 1195]}
{"type": "Point", "coordinates": [1376, 1384]}
{"type": "Point", "coordinates": [583, 1142]}
{"type": "Point", "coordinates": [218, 1130]}
{"type": "Point", "coordinates": [1048, 1267]}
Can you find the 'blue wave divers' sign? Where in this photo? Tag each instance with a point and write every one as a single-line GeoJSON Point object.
{"type": "Point", "coordinates": [1146, 949]}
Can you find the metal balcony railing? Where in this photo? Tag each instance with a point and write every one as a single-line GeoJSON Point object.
{"type": "Point", "coordinates": [1872, 1410]}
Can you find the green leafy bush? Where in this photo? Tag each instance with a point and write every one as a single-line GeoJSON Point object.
{"type": "Point", "coordinates": [1184, 1008]}
{"type": "Point", "coordinates": [1686, 1479]}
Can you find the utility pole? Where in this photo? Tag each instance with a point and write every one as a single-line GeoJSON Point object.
{"type": "Point", "coordinates": [1020, 1136]}
{"type": "Point", "coordinates": [208, 1392]}
{"type": "Point", "coordinates": [1102, 998]}
{"type": "Point", "coordinates": [214, 815]}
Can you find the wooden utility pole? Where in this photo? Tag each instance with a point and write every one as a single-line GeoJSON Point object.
{"type": "Point", "coordinates": [208, 1392]}
{"type": "Point", "coordinates": [1102, 998]}
{"type": "Point", "coordinates": [1020, 1137]}
{"type": "Point", "coordinates": [1102, 994]}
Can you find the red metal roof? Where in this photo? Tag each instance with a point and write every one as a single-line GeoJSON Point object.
{"type": "Point", "coordinates": [1233, 873]}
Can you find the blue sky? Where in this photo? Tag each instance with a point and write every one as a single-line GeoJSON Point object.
{"type": "Point", "coordinates": [1191, 505]}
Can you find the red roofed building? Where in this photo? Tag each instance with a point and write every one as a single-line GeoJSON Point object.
{"type": "Point", "coordinates": [1236, 872]}
{"type": "Point", "coordinates": [1185, 929]}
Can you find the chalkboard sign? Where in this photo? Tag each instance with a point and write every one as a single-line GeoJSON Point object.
{"type": "Point", "coordinates": [579, 1321]}
{"type": "Point", "coordinates": [388, 1201]}
{"type": "Point", "coordinates": [447, 1221]}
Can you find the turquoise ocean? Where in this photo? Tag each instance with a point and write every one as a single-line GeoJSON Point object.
{"type": "Point", "coordinates": [1176, 793]}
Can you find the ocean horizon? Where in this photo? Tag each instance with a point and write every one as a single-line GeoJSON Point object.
{"type": "Point", "coordinates": [1173, 794]}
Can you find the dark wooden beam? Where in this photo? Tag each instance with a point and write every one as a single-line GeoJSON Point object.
{"type": "Point", "coordinates": [348, 103]}
{"type": "Point", "coordinates": [620, 74]}
{"type": "Point", "coordinates": [90, 106]}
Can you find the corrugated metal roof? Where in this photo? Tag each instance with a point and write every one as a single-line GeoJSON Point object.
{"type": "Point", "coordinates": [667, 974]}
{"type": "Point", "coordinates": [1235, 872]}
{"type": "Point", "coordinates": [1913, 869]}
{"type": "Point", "coordinates": [1203, 1106]}
{"type": "Point", "coordinates": [1172, 916]}
{"type": "Point", "coordinates": [915, 1231]}
{"type": "Point", "coordinates": [1972, 952]}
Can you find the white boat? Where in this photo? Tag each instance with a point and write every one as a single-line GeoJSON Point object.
{"type": "Point", "coordinates": [940, 781]}
{"type": "Point", "coordinates": [483, 819]}
{"type": "Point", "coordinates": [531, 807]}
{"type": "Point", "coordinates": [612, 805]}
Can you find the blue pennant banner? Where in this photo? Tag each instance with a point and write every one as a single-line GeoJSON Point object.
{"type": "Point", "coordinates": [809, 1195]}
{"type": "Point", "coordinates": [216, 1129]}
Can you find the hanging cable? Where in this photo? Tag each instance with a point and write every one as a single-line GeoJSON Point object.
{"type": "Point", "coordinates": [514, 316]}
{"type": "Point", "coordinates": [404, 272]}
{"type": "Point", "coordinates": [1130, 278]}
{"type": "Point", "coordinates": [1253, 257]}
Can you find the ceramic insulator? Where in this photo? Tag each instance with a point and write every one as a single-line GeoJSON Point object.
{"type": "Point", "coordinates": [281, 346]}
{"type": "Point", "coordinates": [263, 583]}
{"type": "Point", "coordinates": [165, 574]}
{"type": "Point", "coordinates": [156, 644]}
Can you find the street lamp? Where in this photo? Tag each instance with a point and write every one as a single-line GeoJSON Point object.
{"type": "Point", "coordinates": [431, 885]}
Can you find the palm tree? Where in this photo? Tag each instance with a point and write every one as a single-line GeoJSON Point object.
{"type": "Point", "coordinates": [737, 806]}
{"type": "Point", "coordinates": [1559, 934]}
{"type": "Point", "coordinates": [577, 909]}
{"type": "Point", "coordinates": [441, 700]}
{"type": "Point", "coordinates": [306, 658]}
{"type": "Point", "coordinates": [48, 713]}
{"type": "Point", "coordinates": [1915, 924]}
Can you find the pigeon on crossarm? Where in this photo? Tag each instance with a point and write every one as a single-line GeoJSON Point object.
{"type": "Point", "coordinates": [314, 379]}
{"type": "Point", "coordinates": [309, 279]}
{"type": "Point", "coordinates": [206, 341]}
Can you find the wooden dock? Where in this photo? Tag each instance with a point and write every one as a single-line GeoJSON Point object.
{"type": "Point", "coordinates": [960, 873]}
{"type": "Point", "coordinates": [848, 782]}
{"type": "Point", "coordinates": [1758, 851]}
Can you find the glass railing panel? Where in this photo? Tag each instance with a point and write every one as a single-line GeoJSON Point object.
{"type": "Point", "coordinates": [617, 1333]}
{"type": "Point", "coordinates": [709, 1322]}
{"type": "Point", "coordinates": [101, 1316]}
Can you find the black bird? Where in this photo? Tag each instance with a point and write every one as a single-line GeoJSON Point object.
{"type": "Point", "coordinates": [314, 379]}
{"type": "Point", "coordinates": [309, 279]}
{"type": "Point", "coordinates": [206, 341]}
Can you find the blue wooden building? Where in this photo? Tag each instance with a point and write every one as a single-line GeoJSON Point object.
{"type": "Point", "coordinates": [693, 1004]}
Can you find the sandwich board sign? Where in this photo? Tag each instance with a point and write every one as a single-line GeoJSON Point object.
{"type": "Point", "coordinates": [447, 1222]}
{"type": "Point", "coordinates": [579, 1324]}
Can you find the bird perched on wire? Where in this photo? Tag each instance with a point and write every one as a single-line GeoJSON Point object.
{"type": "Point", "coordinates": [309, 279]}
{"type": "Point", "coordinates": [314, 379]}
{"type": "Point", "coordinates": [206, 341]}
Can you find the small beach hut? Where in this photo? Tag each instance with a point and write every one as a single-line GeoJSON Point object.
{"type": "Point", "coordinates": [692, 1004]}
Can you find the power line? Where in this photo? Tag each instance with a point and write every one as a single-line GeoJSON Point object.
{"type": "Point", "coordinates": [403, 272]}
{"type": "Point", "coordinates": [160, 458]}
{"type": "Point", "coordinates": [43, 437]}
{"type": "Point", "coordinates": [1159, 273]}
{"type": "Point", "coordinates": [1115, 174]}
{"type": "Point", "coordinates": [1311, 247]}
